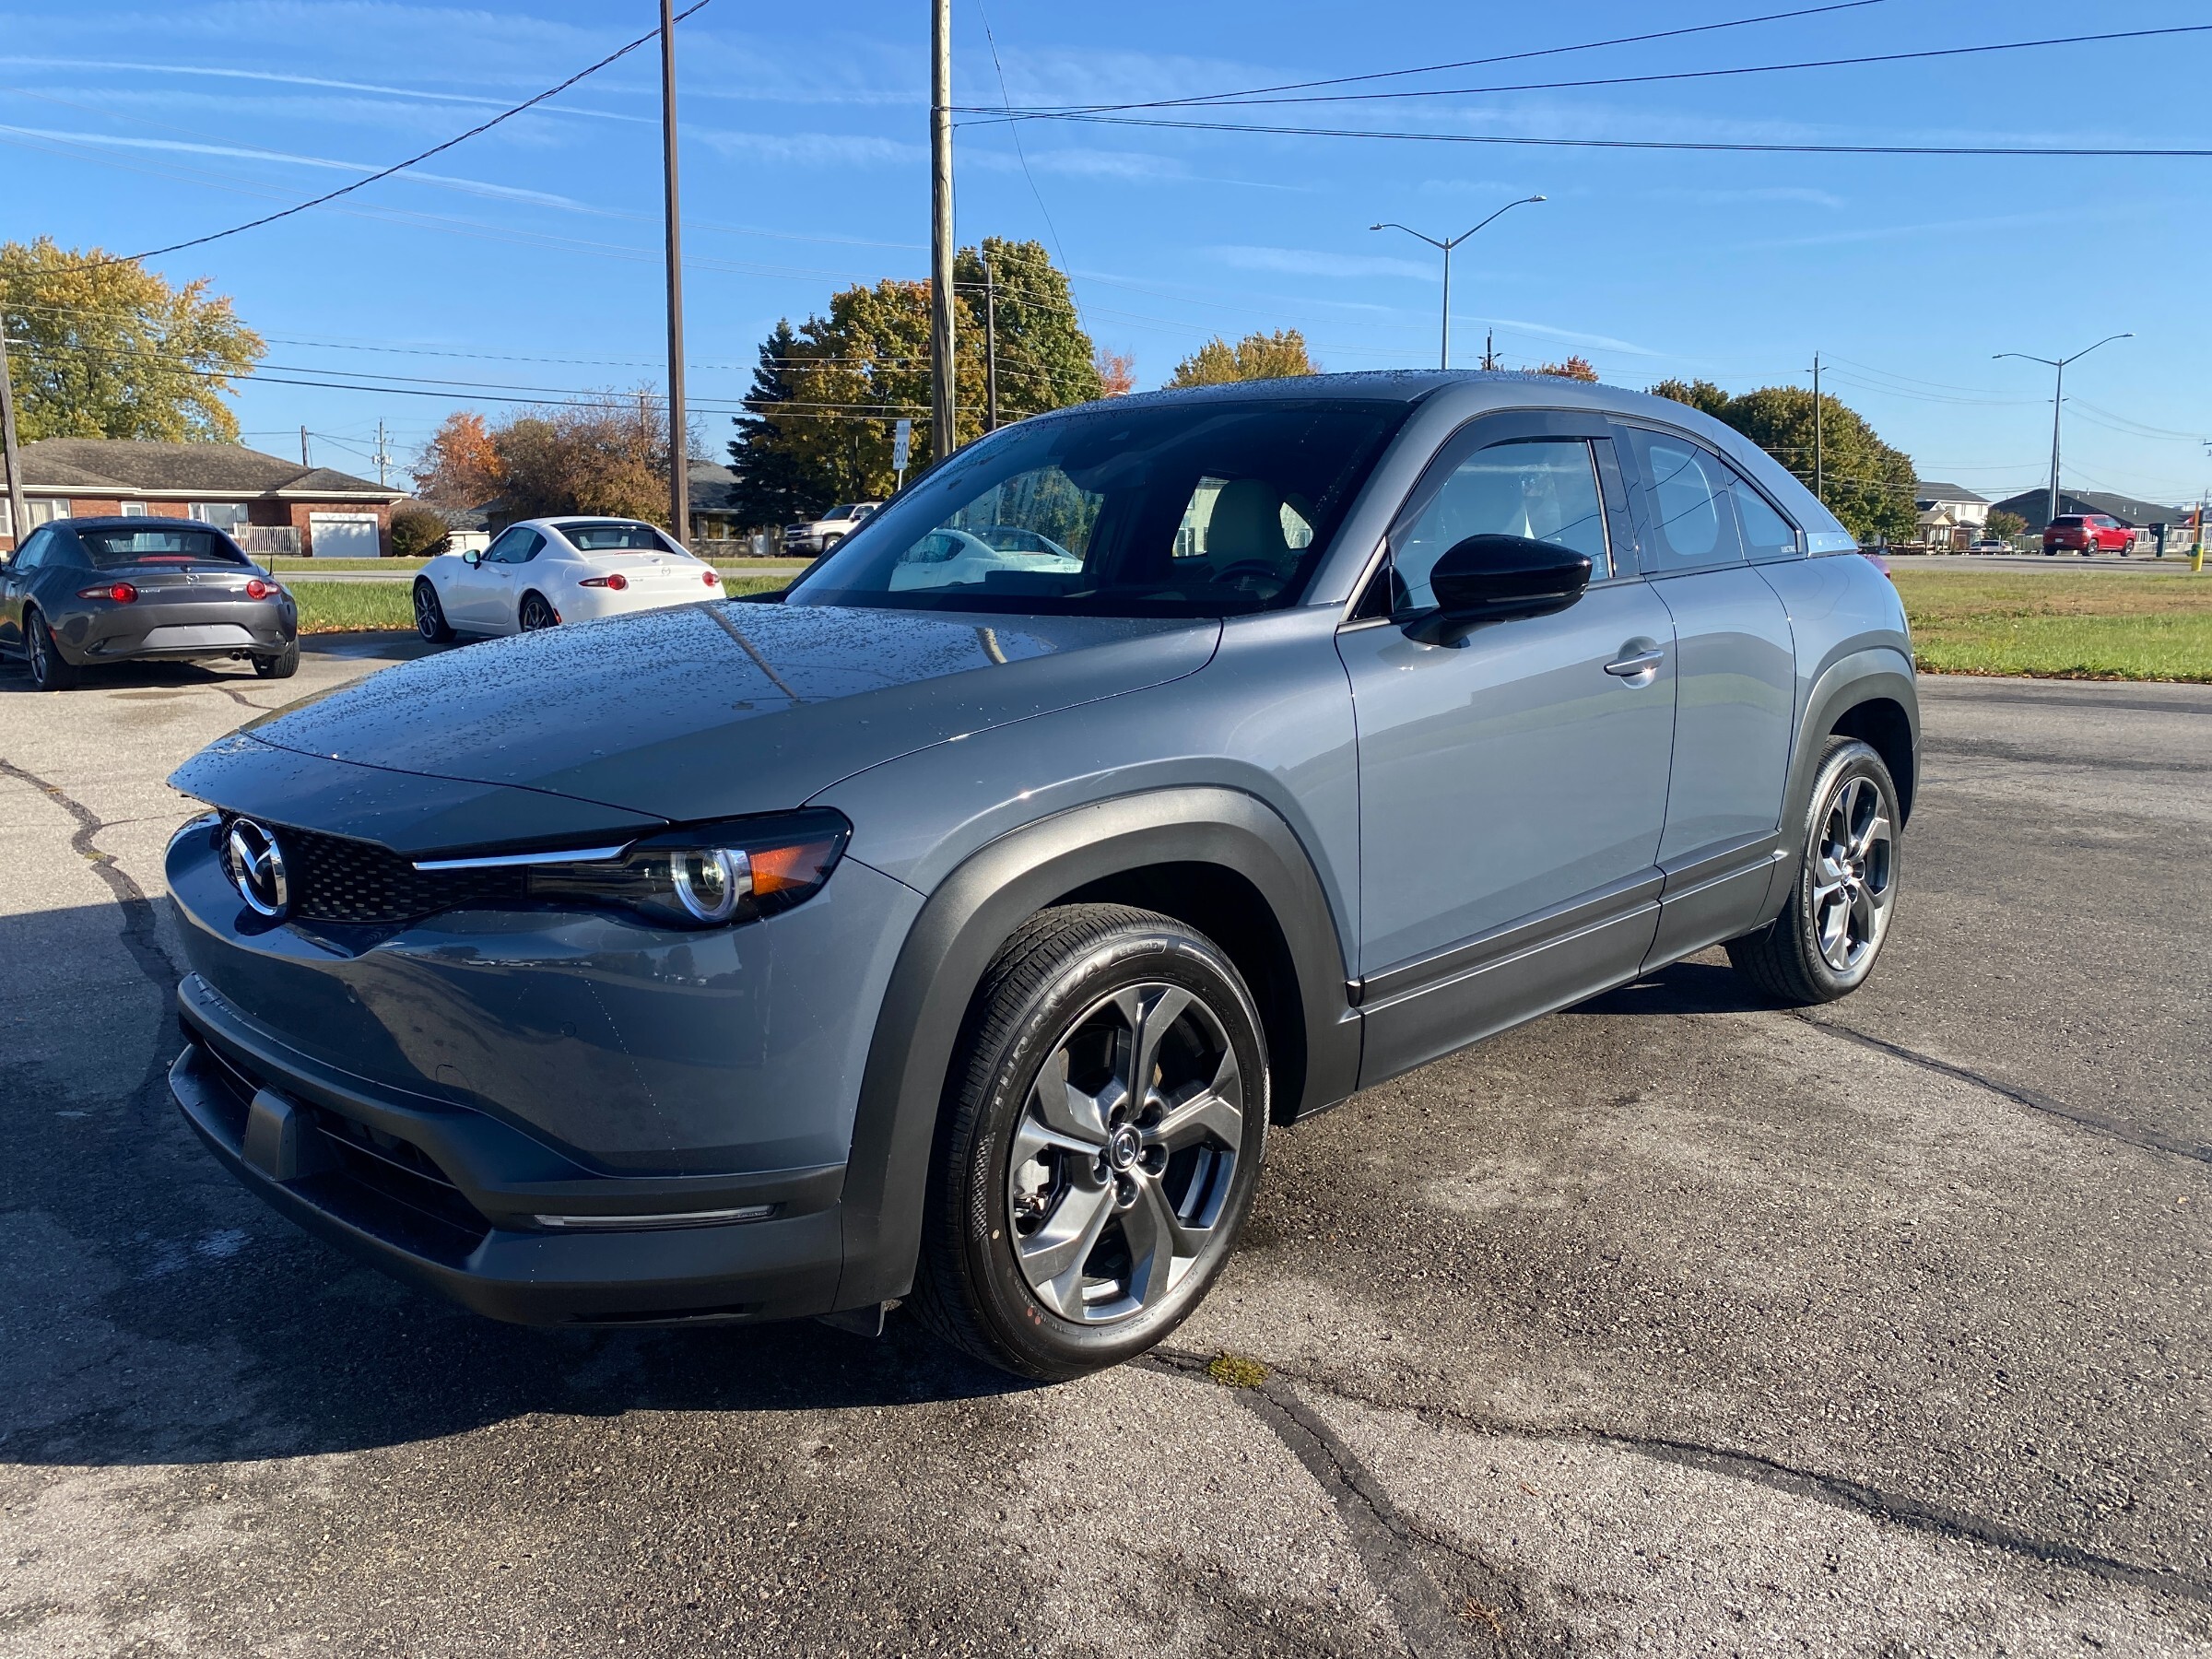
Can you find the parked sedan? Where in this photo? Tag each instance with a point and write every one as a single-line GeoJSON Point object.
{"type": "Point", "coordinates": [83, 592]}
{"type": "Point", "coordinates": [543, 572]}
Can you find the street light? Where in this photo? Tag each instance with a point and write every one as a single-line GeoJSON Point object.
{"type": "Point", "coordinates": [2057, 397]}
{"type": "Point", "coordinates": [1447, 247]}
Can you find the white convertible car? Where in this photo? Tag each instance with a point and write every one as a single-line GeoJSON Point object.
{"type": "Point", "coordinates": [543, 572]}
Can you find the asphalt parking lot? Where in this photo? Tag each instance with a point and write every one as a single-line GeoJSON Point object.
{"type": "Point", "coordinates": [1673, 1323]}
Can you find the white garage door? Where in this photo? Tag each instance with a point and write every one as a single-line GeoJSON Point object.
{"type": "Point", "coordinates": [342, 535]}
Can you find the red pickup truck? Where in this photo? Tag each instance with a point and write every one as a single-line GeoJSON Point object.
{"type": "Point", "coordinates": [2087, 533]}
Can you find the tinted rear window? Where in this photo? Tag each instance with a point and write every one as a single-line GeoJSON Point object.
{"type": "Point", "coordinates": [2066, 523]}
{"type": "Point", "coordinates": [615, 537]}
{"type": "Point", "coordinates": [106, 548]}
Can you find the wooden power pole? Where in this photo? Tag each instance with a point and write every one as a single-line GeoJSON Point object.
{"type": "Point", "coordinates": [940, 231]}
{"type": "Point", "coordinates": [19, 513]}
{"type": "Point", "coordinates": [679, 437]}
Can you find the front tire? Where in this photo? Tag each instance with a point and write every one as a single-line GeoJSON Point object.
{"type": "Point", "coordinates": [429, 615]}
{"type": "Point", "coordinates": [1824, 944]}
{"type": "Point", "coordinates": [49, 671]}
{"type": "Point", "coordinates": [1101, 1144]}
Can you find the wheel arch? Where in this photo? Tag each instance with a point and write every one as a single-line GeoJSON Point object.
{"type": "Point", "coordinates": [1868, 694]}
{"type": "Point", "coordinates": [1217, 859]}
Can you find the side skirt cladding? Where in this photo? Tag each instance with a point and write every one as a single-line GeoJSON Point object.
{"type": "Point", "coordinates": [1114, 847]}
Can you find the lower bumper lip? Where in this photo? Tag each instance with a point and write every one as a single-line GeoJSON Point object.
{"type": "Point", "coordinates": [715, 1218]}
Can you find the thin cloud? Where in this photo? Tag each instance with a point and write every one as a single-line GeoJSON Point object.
{"type": "Point", "coordinates": [288, 159]}
{"type": "Point", "coordinates": [1307, 262]}
{"type": "Point", "coordinates": [810, 149]}
{"type": "Point", "coordinates": [1773, 193]}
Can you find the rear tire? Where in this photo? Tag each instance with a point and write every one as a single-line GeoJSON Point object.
{"type": "Point", "coordinates": [536, 614]}
{"type": "Point", "coordinates": [1100, 1146]}
{"type": "Point", "coordinates": [283, 666]}
{"type": "Point", "coordinates": [49, 671]}
{"type": "Point", "coordinates": [429, 615]}
{"type": "Point", "coordinates": [1824, 944]}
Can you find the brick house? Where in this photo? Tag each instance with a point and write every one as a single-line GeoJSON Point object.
{"type": "Point", "coordinates": [270, 504]}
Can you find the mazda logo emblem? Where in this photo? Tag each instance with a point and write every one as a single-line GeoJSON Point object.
{"type": "Point", "coordinates": [257, 869]}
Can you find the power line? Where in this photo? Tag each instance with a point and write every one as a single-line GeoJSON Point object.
{"type": "Point", "coordinates": [1245, 101]}
{"type": "Point", "coordinates": [1511, 57]}
{"type": "Point", "coordinates": [332, 195]}
{"type": "Point", "coordinates": [1627, 144]}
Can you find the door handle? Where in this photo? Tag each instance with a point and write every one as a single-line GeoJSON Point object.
{"type": "Point", "coordinates": [1643, 662]}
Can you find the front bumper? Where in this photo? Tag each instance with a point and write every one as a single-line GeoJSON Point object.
{"type": "Point", "coordinates": [449, 1198]}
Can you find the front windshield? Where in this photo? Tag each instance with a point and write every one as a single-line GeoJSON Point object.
{"type": "Point", "coordinates": [1176, 509]}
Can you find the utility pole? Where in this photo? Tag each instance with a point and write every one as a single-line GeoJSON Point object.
{"type": "Point", "coordinates": [990, 346]}
{"type": "Point", "coordinates": [1819, 469]}
{"type": "Point", "coordinates": [2058, 396]}
{"type": "Point", "coordinates": [303, 460]}
{"type": "Point", "coordinates": [940, 231]}
{"type": "Point", "coordinates": [1447, 246]}
{"type": "Point", "coordinates": [383, 458]}
{"type": "Point", "coordinates": [1489, 350]}
{"type": "Point", "coordinates": [19, 513]}
{"type": "Point", "coordinates": [679, 436]}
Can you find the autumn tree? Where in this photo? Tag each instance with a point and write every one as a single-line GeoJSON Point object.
{"type": "Point", "coordinates": [459, 467]}
{"type": "Point", "coordinates": [1117, 372]}
{"type": "Point", "coordinates": [1278, 356]}
{"type": "Point", "coordinates": [2004, 524]}
{"type": "Point", "coordinates": [825, 394]}
{"type": "Point", "coordinates": [102, 347]}
{"type": "Point", "coordinates": [1573, 369]}
{"type": "Point", "coordinates": [1868, 484]}
{"type": "Point", "coordinates": [603, 454]}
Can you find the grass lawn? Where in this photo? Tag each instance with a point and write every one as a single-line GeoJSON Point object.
{"type": "Point", "coordinates": [2107, 625]}
{"type": "Point", "coordinates": [352, 606]}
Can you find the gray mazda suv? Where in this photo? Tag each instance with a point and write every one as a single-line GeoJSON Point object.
{"type": "Point", "coordinates": [956, 926]}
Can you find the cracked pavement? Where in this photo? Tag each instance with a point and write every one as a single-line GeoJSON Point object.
{"type": "Point", "coordinates": [1672, 1323]}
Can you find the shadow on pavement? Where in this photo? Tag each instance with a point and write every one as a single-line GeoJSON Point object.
{"type": "Point", "coordinates": [1692, 987]}
{"type": "Point", "coordinates": [153, 1312]}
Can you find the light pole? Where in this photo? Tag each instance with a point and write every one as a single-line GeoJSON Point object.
{"type": "Point", "coordinates": [2058, 395]}
{"type": "Point", "coordinates": [1446, 248]}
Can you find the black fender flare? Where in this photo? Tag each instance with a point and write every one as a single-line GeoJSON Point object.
{"type": "Point", "coordinates": [1877, 673]}
{"type": "Point", "coordinates": [975, 909]}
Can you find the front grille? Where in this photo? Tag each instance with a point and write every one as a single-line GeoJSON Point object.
{"type": "Point", "coordinates": [334, 879]}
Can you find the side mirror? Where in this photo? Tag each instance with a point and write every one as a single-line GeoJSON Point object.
{"type": "Point", "coordinates": [472, 559]}
{"type": "Point", "coordinates": [1496, 578]}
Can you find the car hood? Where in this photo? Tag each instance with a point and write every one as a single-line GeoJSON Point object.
{"type": "Point", "coordinates": [710, 711]}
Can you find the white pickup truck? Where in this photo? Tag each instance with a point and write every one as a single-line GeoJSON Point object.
{"type": "Point", "coordinates": [819, 535]}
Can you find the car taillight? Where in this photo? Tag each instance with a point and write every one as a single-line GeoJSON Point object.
{"type": "Point", "coordinates": [258, 589]}
{"type": "Point", "coordinates": [710, 579]}
{"type": "Point", "coordinates": [617, 582]}
{"type": "Point", "coordinates": [122, 593]}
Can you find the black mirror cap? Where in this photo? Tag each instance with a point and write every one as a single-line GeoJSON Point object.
{"type": "Point", "coordinates": [1494, 578]}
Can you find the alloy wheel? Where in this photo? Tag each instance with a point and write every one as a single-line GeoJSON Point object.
{"type": "Point", "coordinates": [1853, 866]}
{"type": "Point", "coordinates": [1125, 1153]}
{"type": "Point", "coordinates": [537, 614]}
{"type": "Point", "coordinates": [427, 618]}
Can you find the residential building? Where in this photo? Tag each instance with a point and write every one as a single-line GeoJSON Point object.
{"type": "Point", "coordinates": [2034, 505]}
{"type": "Point", "coordinates": [272, 505]}
{"type": "Point", "coordinates": [1949, 514]}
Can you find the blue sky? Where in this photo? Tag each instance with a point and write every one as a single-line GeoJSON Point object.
{"type": "Point", "coordinates": [529, 258]}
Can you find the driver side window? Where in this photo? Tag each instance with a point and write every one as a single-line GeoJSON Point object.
{"type": "Point", "coordinates": [1539, 489]}
{"type": "Point", "coordinates": [36, 551]}
{"type": "Point", "coordinates": [518, 545]}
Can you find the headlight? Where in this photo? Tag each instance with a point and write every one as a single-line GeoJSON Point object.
{"type": "Point", "coordinates": [709, 876]}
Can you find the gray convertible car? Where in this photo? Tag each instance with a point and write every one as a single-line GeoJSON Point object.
{"type": "Point", "coordinates": [86, 592]}
{"type": "Point", "coordinates": [956, 928]}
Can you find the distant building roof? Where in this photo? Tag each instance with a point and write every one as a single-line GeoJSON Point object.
{"type": "Point", "coordinates": [133, 466]}
{"type": "Point", "coordinates": [2034, 505]}
{"type": "Point", "coordinates": [710, 486]}
{"type": "Point", "coordinates": [1927, 493]}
